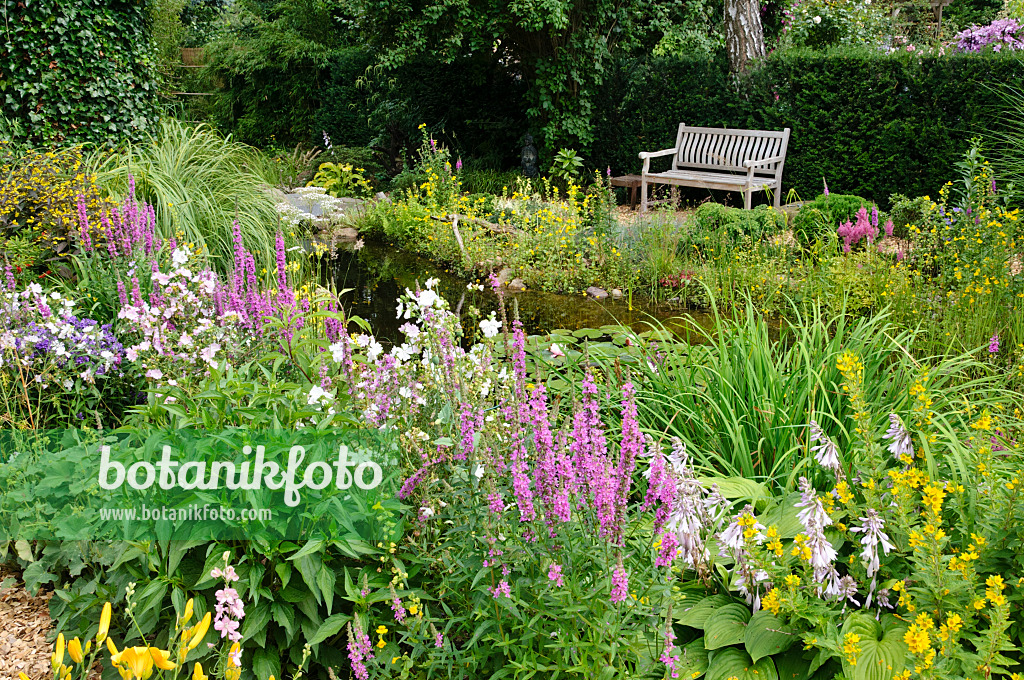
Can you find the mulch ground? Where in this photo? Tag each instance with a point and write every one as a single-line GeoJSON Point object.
{"type": "Point", "coordinates": [24, 626]}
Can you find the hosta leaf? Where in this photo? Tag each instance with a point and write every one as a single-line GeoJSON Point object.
{"type": "Point", "coordinates": [726, 626]}
{"type": "Point", "coordinates": [882, 649]}
{"type": "Point", "coordinates": [733, 662]}
{"type": "Point", "coordinates": [695, 615]}
{"type": "Point", "coordinates": [693, 660]}
{"type": "Point", "coordinates": [767, 635]}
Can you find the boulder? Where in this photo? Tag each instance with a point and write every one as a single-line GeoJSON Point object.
{"type": "Point", "coordinates": [597, 293]}
{"type": "Point", "coordinates": [517, 284]}
{"type": "Point", "coordinates": [616, 293]}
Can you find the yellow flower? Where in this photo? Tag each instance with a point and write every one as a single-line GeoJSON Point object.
{"type": "Point", "coordinates": [187, 616]}
{"type": "Point", "coordinates": [381, 644]}
{"type": "Point", "coordinates": [101, 634]}
{"type": "Point", "coordinates": [75, 650]}
{"type": "Point", "coordinates": [58, 652]}
{"type": "Point", "coordinates": [850, 648]}
{"type": "Point", "coordinates": [199, 632]}
{"type": "Point", "coordinates": [382, 630]}
{"type": "Point", "coordinates": [197, 672]}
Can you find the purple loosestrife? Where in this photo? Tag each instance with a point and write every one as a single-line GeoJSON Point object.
{"type": "Point", "coordinates": [631, 447]}
{"type": "Point", "coordinates": [670, 660]}
{"type": "Point", "coordinates": [360, 649]}
{"type": "Point", "coordinates": [555, 575]}
{"type": "Point", "coordinates": [553, 476]}
{"type": "Point", "coordinates": [503, 588]}
{"type": "Point", "coordinates": [993, 344]}
{"type": "Point", "coordinates": [284, 292]}
{"type": "Point", "coordinates": [620, 583]}
{"type": "Point", "coordinates": [826, 185]}
{"type": "Point", "coordinates": [83, 225]}
{"type": "Point", "coordinates": [888, 228]}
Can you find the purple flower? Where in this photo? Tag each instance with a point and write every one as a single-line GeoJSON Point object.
{"type": "Point", "coordinates": [458, 165]}
{"type": "Point", "coordinates": [993, 344]}
{"type": "Point", "coordinates": [826, 185]}
{"type": "Point", "coordinates": [1000, 33]}
{"type": "Point", "coordinates": [620, 583]}
{"type": "Point", "coordinates": [555, 574]}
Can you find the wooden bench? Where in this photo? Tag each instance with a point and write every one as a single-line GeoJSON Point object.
{"type": "Point", "coordinates": [719, 158]}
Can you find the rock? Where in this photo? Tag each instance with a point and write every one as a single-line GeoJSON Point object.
{"type": "Point", "coordinates": [381, 196]}
{"type": "Point", "coordinates": [517, 284]}
{"type": "Point", "coordinates": [616, 293]}
{"type": "Point", "coordinates": [504, 275]}
{"type": "Point", "coordinates": [346, 234]}
{"type": "Point", "coordinates": [597, 293]}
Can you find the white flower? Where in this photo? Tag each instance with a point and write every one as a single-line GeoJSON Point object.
{"type": "Point", "coordinates": [426, 512]}
{"type": "Point", "coordinates": [900, 443]}
{"type": "Point", "coordinates": [185, 340]}
{"type": "Point", "coordinates": [179, 257]}
{"type": "Point", "coordinates": [478, 472]}
{"type": "Point", "coordinates": [154, 373]}
{"type": "Point", "coordinates": [374, 350]}
{"type": "Point", "coordinates": [316, 394]}
{"type": "Point", "coordinates": [556, 351]}
{"type": "Point", "coordinates": [402, 353]}
{"type": "Point", "coordinates": [427, 299]}
{"type": "Point", "coordinates": [825, 450]}
{"type": "Point", "coordinates": [490, 327]}
{"type": "Point", "coordinates": [337, 350]}
{"type": "Point", "coordinates": [817, 20]}
{"type": "Point", "coordinates": [432, 282]}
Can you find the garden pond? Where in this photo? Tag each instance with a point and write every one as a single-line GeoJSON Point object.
{"type": "Point", "coordinates": [375, 275]}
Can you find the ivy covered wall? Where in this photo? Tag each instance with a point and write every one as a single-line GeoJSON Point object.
{"type": "Point", "coordinates": [77, 72]}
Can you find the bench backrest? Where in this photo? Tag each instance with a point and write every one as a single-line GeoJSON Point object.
{"type": "Point", "coordinates": [724, 149]}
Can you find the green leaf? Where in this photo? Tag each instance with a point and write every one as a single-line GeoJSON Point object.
{"type": "Point", "coordinates": [329, 628]}
{"type": "Point", "coordinates": [693, 660]}
{"type": "Point", "coordinates": [792, 665]}
{"type": "Point", "coordinates": [882, 649]}
{"type": "Point", "coordinates": [735, 663]}
{"type": "Point", "coordinates": [695, 616]}
{"type": "Point", "coordinates": [726, 626]}
{"type": "Point", "coordinates": [266, 662]}
{"type": "Point", "coordinates": [736, 487]}
{"type": "Point", "coordinates": [767, 635]}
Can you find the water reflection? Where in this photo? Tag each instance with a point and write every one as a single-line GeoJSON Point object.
{"type": "Point", "coordinates": [377, 274]}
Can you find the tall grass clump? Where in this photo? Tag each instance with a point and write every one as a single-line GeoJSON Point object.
{"type": "Point", "coordinates": [743, 400]}
{"type": "Point", "coordinates": [199, 182]}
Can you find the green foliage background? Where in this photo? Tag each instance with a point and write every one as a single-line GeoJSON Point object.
{"type": "Point", "coordinates": [78, 71]}
{"type": "Point", "coordinates": [871, 124]}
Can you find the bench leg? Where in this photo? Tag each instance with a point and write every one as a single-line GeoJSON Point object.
{"type": "Point", "coordinates": [778, 196]}
{"type": "Point", "coordinates": [643, 195]}
{"type": "Point", "coordinates": [746, 199]}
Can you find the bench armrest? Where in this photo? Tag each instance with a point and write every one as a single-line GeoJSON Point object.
{"type": "Point", "coordinates": [646, 157]}
{"type": "Point", "coordinates": [763, 161]}
{"type": "Point", "coordinates": [655, 154]}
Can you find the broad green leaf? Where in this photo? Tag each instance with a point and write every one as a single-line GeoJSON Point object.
{"type": "Point", "coordinates": [329, 628]}
{"type": "Point", "coordinates": [736, 487]}
{"type": "Point", "coordinates": [792, 665]}
{"type": "Point", "coordinates": [767, 636]}
{"type": "Point", "coordinates": [882, 649]}
{"type": "Point", "coordinates": [733, 662]}
{"type": "Point", "coordinates": [693, 660]}
{"type": "Point", "coordinates": [695, 615]}
{"type": "Point", "coordinates": [726, 626]}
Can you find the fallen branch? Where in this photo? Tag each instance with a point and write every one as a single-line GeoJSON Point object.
{"type": "Point", "coordinates": [498, 228]}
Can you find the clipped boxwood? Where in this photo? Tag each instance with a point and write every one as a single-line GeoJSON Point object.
{"type": "Point", "coordinates": [736, 224]}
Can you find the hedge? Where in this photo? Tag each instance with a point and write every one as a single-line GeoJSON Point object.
{"type": "Point", "coordinates": [77, 71]}
{"type": "Point", "coordinates": [870, 124]}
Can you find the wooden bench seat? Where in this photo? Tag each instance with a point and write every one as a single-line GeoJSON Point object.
{"type": "Point", "coordinates": [721, 158]}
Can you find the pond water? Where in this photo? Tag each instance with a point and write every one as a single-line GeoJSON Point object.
{"type": "Point", "coordinates": [377, 274]}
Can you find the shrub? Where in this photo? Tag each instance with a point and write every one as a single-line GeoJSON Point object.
{"type": "Point", "coordinates": [737, 225]}
{"type": "Point", "coordinates": [825, 214]}
{"type": "Point", "coordinates": [39, 199]}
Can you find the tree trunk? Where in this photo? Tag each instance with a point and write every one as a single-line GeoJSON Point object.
{"type": "Point", "coordinates": [744, 37]}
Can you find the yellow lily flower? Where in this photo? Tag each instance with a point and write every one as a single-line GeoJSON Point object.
{"type": "Point", "coordinates": [112, 648]}
{"type": "Point", "coordinates": [187, 616]}
{"type": "Point", "coordinates": [136, 660]}
{"type": "Point", "coordinates": [22, 676]}
{"type": "Point", "coordinates": [199, 632]}
{"type": "Point", "coordinates": [101, 635]}
{"type": "Point", "coordinates": [197, 673]}
{"type": "Point", "coordinates": [75, 650]}
{"type": "Point", "coordinates": [58, 653]}
{"type": "Point", "coordinates": [162, 659]}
